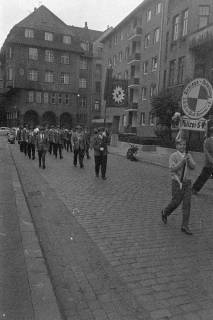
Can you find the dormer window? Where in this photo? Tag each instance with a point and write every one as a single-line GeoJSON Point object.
{"type": "Point", "coordinates": [48, 36]}
{"type": "Point", "coordinates": [67, 39]}
{"type": "Point", "coordinates": [29, 33]}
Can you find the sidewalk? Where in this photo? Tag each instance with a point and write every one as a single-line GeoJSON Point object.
{"type": "Point", "coordinates": [27, 292]}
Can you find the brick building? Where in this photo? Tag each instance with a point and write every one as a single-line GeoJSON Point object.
{"type": "Point", "coordinates": [47, 71]}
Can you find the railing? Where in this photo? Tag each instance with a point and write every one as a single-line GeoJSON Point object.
{"type": "Point", "coordinates": [134, 57]}
{"type": "Point", "coordinates": [134, 82]}
{"type": "Point", "coordinates": [135, 32]}
{"type": "Point", "coordinates": [201, 38]}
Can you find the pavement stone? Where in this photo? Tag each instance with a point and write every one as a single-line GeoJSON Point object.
{"type": "Point", "coordinates": [104, 241]}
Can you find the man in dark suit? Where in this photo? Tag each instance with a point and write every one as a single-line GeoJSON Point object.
{"type": "Point", "coordinates": [42, 146]}
{"type": "Point", "coordinates": [79, 146]}
{"type": "Point", "coordinates": [100, 141]}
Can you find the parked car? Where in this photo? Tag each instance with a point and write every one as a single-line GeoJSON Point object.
{"type": "Point", "coordinates": [11, 137]}
{"type": "Point", "coordinates": [4, 131]}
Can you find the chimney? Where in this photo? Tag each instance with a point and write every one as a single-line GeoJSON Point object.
{"type": "Point", "coordinates": [85, 25]}
{"type": "Point", "coordinates": [35, 9]}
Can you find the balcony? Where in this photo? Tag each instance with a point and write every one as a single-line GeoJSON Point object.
{"type": "Point", "coordinates": [202, 39]}
{"type": "Point", "coordinates": [132, 106]}
{"type": "Point", "coordinates": [134, 82]}
{"type": "Point", "coordinates": [135, 34]}
{"type": "Point", "coordinates": [134, 58]}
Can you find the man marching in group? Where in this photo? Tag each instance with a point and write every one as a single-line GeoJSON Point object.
{"type": "Point", "coordinates": [100, 151]}
{"type": "Point", "coordinates": [42, 145]}
{"type": "Point", "coordinates": [181, 164]}
{"type": "Point", "coordinates": [79, 146]}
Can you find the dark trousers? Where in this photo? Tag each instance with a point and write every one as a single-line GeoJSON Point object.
{"type": "Point", "coordinates": [101, 162]}
{"type": "Point", "coordinates": [78, 156]}
{"type": "Point", "coordinates": [41, 158]}
{"type": "Point", "coordinates": [57, 148]}
{"type": "Point", "coordinates": [31, 150]}
{"type": "Point", "coordinates": [24, 146]}
{"type": "Point", "coordinates": [68, 145]}
{"type": "Point", "coordinates": [180, 195]}
{"type": "Point", "coordinates": [51, 147]}
{"type": "Point", "coordinates": [202, 178]}
{"type": "Point", "coordinates": [21, 146]}
{"type": "Point", "coordinates": [87, 152]}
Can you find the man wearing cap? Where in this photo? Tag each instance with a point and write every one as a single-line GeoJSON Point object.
{"type": "Point", "coordinates": [100, 151]}
{"type": "Point", "coordinates": [207, 170]}
{"type": "Point", "coordinates": [42, 146]}
{"type": "Point", "coordinates": [79, 146]}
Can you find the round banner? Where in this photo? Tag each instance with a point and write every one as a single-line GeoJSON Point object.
{"type": "Point", "coordinates": [197, 98]}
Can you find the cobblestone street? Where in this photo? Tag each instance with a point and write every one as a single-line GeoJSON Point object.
{"type": "Point", "coordinates": [109, 255]}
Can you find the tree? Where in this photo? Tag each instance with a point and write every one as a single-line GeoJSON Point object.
{"type": "Point", "coordinates": [164, 105]}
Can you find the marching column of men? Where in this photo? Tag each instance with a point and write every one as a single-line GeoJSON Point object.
{"type": "Point", "coordinates": [55, 139]}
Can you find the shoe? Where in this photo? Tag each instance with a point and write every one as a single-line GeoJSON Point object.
{"type": "Point", "coordinates": [43, 167]}
{"type": "Point", "coordinates": [164, 217]}
{"type": "Point", "coordinates": [186, 230]}
{"type": "Point", "coordinates": [97, 175]}
{"type": "Point", "coordinates": [104, 178]}
{"type": "Point", "coordinates": [82, 166]}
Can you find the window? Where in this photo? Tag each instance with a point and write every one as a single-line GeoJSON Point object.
{"type": "Point", "coordinates": [48, 36]}
{"type": "Point", "coordinates": [203, 16]}
{"type": "Point", "coordinates": [98, 87]}
{"type": "Point", "coordinates": [153, 90]}
{"type": "Point", "coordinates": [120, 56]}
{"type": "Point", "coordinates": [158, 8]}
{"type": "Point", "coordinates": [53, 98]}
{"type": "Point", "coordinates": [46, 97]}
{"type": "Point", "coordinates": [145, 67]}
{"type": "Point", "coordinates": [142, 118]}
{"type": "Point", "coordinates": [151, 119]}
{"type": "Point", "coordinates": [33, 75]}
{"type": "Point", "coordinates": [156, 35]}
{"type": "Point", "coordinates": [30, 96]}
{"type": "Point", "coordinates": [67, 99]}
{"type": "Point", "coordinates": [97, 105]}
{"type": "Point", "coordinates": [144, 93]}
{"type": "Point", "coordinates": [114, 60]}
{"type": "Point", "coordinates": [67, 39]}
{"type": "Point", "coordinates": [176, 27]}
{"type": "Point", "coordinates": [48, 76]}
{"type": "Point", "coordinates": [83, 63]}
{"type": "Point", "coordinates": [33, 53]}
{"type": "Point", "coordinates": [83, 102]}
{"type": "Point", "coordinates": [98, 71]}
{"type": "Point", "coordinates": [109, 62]}
{"type": "Point", "coordinates": [82, 83]}
{"type": "Point", "coordinates": [38, 97]}
{"type": "Point", "coordinates": [172, 72]}
{"type": "Point", "coordinates": [49, 56]}
{"type": "Point", "coordinates": [154, 63]}
{"type": "Point", "coordinates": [64, 78]}
{"type": "Point", "coordinates": [127, 53]}
{"type": "Point", "coordinates": [147, 40]}
{"type": "Point", "coordinates": [65, 59]}
{"type": "Point", "coordinates": [115, 39]}
{"type": "Point", "coordinates": [185, 22]}
{"type": "Point", "coordinates": [85, 45]}
{"type": "Point", "coordinates": [181, 61]}
{"type": "Point", "coordinates": [10, 74]}
{"type": "Point", "coordinates": [10, 53]}
{"type": "Point", "coordinates": [60, 98]}
{"type": "Point", "coordinates": [126, 75]}
{"type": "Point", "coordinates": [148, 15]}
{"type": "Point", "coordinates": [29, 33]}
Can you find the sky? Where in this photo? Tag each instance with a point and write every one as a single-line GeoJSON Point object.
{"type": "Point", "coordinates": [98, 13]}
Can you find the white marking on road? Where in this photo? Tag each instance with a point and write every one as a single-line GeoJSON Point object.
{"type": "Point", "coordinates": [71, 238]}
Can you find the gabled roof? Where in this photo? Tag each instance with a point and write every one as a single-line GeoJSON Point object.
{"type": "Point", "coordinates": [85, 33]}
{"type": "Point", "coordinates": [43, 19]}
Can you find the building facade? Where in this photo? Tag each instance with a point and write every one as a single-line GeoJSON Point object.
{"type": "Point", "coordinates": [47, 72]}
{"type": "Point", "coordinates": [133, 49]}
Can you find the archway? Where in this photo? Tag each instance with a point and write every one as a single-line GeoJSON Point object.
{"type": "Point", "coordinates": [49, 119]}
{"type": "Point", "coordinates": [31, 118]}
{"type": "Point", "coordinates": [66, 120]}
